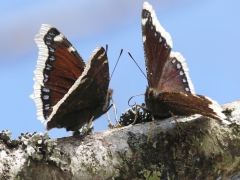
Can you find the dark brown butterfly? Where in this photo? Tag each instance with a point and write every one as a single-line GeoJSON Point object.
{"type": "Point", "coordinates": [169, 86]}
{"type": "Point", "coordinates": [68, 93]}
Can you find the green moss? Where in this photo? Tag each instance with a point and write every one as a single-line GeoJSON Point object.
{"type": "Point", "coordinates": [150, 175]}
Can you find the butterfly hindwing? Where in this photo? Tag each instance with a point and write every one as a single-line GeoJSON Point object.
{"type": "Point", "coordinates": [182, 104]}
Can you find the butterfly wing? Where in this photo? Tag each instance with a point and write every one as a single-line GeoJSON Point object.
{"type": "Point", "coordinates": [169, 86]}
{"type": "Point", "coordinates": [89, 96]}
{"type": "Point", "coordinates": [183, 104]}
{"type": "Point", "coordinates": [67, 93]}
{"type": "Point", "coordinates": [166, 71]}
{"type": "Point", "coordinates": [58, 67]}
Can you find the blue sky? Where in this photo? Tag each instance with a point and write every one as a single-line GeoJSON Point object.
{"type": "Point", "coordinates": [206, 33]}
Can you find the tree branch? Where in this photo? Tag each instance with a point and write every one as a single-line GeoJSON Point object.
{"type": "Point", "coordinates": [205, 149]}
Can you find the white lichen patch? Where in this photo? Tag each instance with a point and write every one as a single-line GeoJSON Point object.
{"type": "Point", "coordinates": [92, 159]}
{"type": "Point", "coordinates": [40, 147]}
{"type": "Point", "coordinates": [235, 108]}
{"type": "Point", "coordinates": [5, 135]}
{"type": "Point", "coordinates": [10, 163]}
{"type": "Point", "coordinates": [57, 158]}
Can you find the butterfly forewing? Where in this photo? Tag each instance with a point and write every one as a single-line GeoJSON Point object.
{"type": "Point", "coordinates": [58, 67]}
{"type": "Point", "coordinates": [166, 71]}
{"type": "Point", "coordinates": [154, 49]}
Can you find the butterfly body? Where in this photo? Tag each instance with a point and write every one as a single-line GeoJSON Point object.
{"type": "Point", "coordinates": [170, 89]}
{"type": "Point", "coordinates": [69, 92]}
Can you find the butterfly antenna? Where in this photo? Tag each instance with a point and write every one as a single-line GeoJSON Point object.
{"type": "Point", "coordinates": [116, 63]}
{"type": "Point", "coordinates": [131, 99]}
{"type": "Point", "coordinates": [137, 64]}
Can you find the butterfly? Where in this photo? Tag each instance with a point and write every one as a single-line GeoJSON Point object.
{"type": "Point", "coordinates": [67, 92]}
{"type": "Point", "coordinates": [170, 89]}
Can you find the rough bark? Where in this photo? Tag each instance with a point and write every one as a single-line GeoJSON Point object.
{"type": "Point", "coordinates": [195, 148]}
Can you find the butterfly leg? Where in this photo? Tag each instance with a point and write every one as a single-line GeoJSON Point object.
{"type": "Point", "coordinates": [115, 115]}
{"type": "Point", "coordinates": [83, 130]}
{"type": "Point", "coordinates": [111, 125]}
{"type": "Point", "coordinates": [137, 107]}
{"type": "Point", "coordinates": [136, 115]}
{"type": "Point", "coordinates": [76, 132]}
{"type": "Point", "coordinates": [89, 123]}
{"type": "Point", "coordinates": [109, 121]}
{"type": "Point", "coordinates": [151, 128]}
{"type": "Point", "coordinates": [177, 121]}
